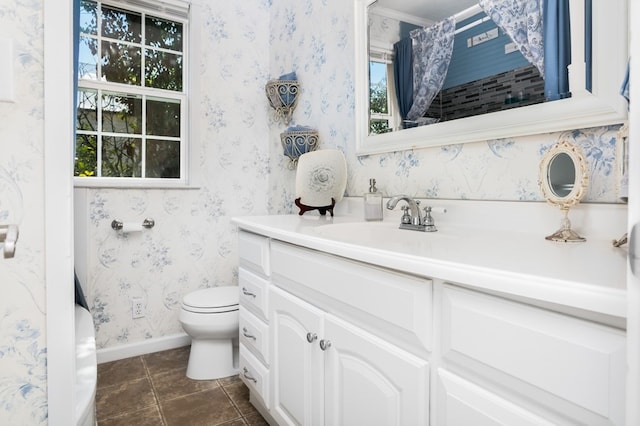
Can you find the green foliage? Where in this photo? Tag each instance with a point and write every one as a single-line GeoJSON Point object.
{"type": "Point", "coordinates": [378, 104]}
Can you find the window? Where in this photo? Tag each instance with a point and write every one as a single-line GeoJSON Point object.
{"type": "Point", "coordinates": [131, 116]}
{"type": "Point", "coordinates": [382, 98]}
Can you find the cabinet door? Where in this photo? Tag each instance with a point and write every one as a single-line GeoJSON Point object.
{"type": "Point", "coordinates": [296, 361]}
{"type": "Point", "coordinates": [371, 382]}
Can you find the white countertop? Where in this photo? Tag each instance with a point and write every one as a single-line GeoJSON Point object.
{"type": "Point", "coordinates": [588, 276]}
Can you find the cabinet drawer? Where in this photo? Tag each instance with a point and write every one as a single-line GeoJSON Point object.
{"type": "Point", "coordinates": [576, 360]}
{"type": "Point", "coordinates": [253, 293]}
{"type": "Point", "coordinates": [395, 306]}
{"type": "Point", "coordinates": [255, 375]}
{"type": "Point", "coordinates": [254, 252]}
{"type": "Point", "coordinates": [254, 334]}
{"type": "Point", "coordinates": [461, 402]}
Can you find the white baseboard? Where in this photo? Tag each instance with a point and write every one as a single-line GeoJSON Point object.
{"type": "Point", "coordinates": [142, 348]}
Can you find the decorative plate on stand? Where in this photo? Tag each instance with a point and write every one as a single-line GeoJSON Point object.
{"type": "Point", "coordinates": [321, 180]}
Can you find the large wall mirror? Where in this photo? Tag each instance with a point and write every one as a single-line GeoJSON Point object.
{"type": "Point", "coordinates": [486, 86]}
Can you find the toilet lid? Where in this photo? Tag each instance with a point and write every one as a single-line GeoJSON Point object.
{"type": "Point", "coordinates": [213, 297]}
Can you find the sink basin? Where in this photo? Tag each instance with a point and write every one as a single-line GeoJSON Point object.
{"type": "Point", "coordinates": [377, 234]}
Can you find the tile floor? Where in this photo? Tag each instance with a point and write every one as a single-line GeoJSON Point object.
{"type": "Point", "coordinates": [153, 390]}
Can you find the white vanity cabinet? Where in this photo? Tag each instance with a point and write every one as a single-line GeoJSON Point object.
{"type": "Point", "coordinates": [338, 341]}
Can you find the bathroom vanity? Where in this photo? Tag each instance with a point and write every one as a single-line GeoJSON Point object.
{"type": "Point", "coordinates": [348, 322]}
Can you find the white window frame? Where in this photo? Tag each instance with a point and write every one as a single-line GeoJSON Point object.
{"type": "Point", "coordinates": [385, 56]}
{"type": "Point", "coordinates": [173, 10]}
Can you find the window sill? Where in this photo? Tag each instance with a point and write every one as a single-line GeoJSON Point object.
{"type": "Point", "coordinates": [124, 183]}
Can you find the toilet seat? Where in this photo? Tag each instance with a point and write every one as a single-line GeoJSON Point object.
{"type": "Point", "coordinates": [213, 300]}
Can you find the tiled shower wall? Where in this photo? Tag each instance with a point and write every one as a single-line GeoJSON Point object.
{"type": "Point", "coordinates": [507, 90]}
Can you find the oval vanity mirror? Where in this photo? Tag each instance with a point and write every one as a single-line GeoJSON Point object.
{"type": "Point", "coordinates": [563, 180]}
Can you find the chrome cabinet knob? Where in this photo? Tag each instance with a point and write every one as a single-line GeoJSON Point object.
{"type": "Point", "coordinates": [312, 337]}
{"type": "Point", "coordinates": [325, 344]}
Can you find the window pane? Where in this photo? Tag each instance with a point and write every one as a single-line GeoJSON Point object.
{"type": "Point", "coordinates": [88, 17]}
{"type": "Point", "coordinates": [163, 159]}
{"type": "Point", "coordinates": [378, 87]}
{"type": "Point", "coordinates": [121, 25]}
{"type": "Point", "coordinates": [121, 157]}
{"type": "Point", "coordinates": [121, 63]}
{"type": "Point", "coordinates": [87, 111]}
{"type": "Point", "coordinates": [378, 126]}
{"type": "Point", "coordinates": [121, 113]}
{"type": "Point", "coordinates": [163, 70]}
{"type": "Point", "coordinates": [163, 118]}
{"type": "Point", "coordinates": [163, 34]}
{"type": "Point", "coordinates": [86, 156]}
{"type": "Point", "coordinates": [88, 58]}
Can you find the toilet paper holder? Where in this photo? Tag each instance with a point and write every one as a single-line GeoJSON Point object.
{"type": "Point", "coordinates": [117, 225]}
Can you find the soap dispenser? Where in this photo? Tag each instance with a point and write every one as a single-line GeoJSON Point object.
{"type": "Point", "coordinates": [372, 202]}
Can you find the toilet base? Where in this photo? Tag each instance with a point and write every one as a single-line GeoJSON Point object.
{"type": "Point", "coordinates": [212, 359]}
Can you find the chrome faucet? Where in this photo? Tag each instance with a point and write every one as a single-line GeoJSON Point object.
{"type": "Point", "coordinates": [413, 220]}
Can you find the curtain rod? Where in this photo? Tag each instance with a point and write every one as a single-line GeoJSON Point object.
{"type": "Point", "coordinates": [468, 13]}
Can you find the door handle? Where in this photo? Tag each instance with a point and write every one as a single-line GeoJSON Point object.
{"type": "Point", "coordinates": [634, 256]}
{"type": "Point", "coordinates": [9, 236]}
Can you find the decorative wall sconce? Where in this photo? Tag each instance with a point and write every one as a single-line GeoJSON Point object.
{"type": "Point", "coordinates": [283, 96]}
{"type": "Point", "coordinates": [297, 141]}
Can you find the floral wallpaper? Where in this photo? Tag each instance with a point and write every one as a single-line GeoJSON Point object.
{"type": "Point", "coordinates": [23, 359]}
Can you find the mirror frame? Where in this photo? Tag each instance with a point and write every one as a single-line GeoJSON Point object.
{"type": "Point", "coordinates": [602, 106]}
{"type": "Point", "coordinates": [581, 180]}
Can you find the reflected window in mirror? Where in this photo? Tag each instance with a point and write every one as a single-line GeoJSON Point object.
{"type": "Point", "coordinates": [382, 98]}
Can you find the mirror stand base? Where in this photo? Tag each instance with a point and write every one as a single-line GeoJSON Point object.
{"type": "Point", "coordinates": [566, 235]}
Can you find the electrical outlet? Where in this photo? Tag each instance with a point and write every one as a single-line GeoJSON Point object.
{"type": "Point", "coordinates": [137, 307]}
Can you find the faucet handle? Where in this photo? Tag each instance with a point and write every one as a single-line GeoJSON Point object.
{"type": "Point", "coordinates": [406, 217]}
{"type": "Point", "coordinates": [428, 221]}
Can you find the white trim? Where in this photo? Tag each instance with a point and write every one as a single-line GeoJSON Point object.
{"type": "Point", "coordinates": [129, 350]}
{"type": "Point", "coordinates": [169, 8]}
{"type": "Point", "coordinates": [58, 211]}
{"type": "Point", "coordinates": [400, 16]}
{"type": "Point", "coordinates": [633, 282]}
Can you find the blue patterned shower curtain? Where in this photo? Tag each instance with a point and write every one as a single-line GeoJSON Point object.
{"type": "Point", "coordinates": [522, 21]}
{"type": "Point", "coordinates": [432, 50]}
{"type": "Point", "coordinates": [541, 31]}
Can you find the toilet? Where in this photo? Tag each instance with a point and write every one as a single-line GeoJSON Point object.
{"type": "Point", "coordinates": [210, 317]}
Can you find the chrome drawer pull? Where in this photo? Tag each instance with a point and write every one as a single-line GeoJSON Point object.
{"type": "Point", "coordinates": [247, 292]}
{"type": "Point", "coordinates": [311, 337]}
{"type": "Point", "coordinates": [246, 334]}
{"type": "Point", "coordinates": [247, 376]}
{"type": "Point", "coordinates": [325, 344]}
